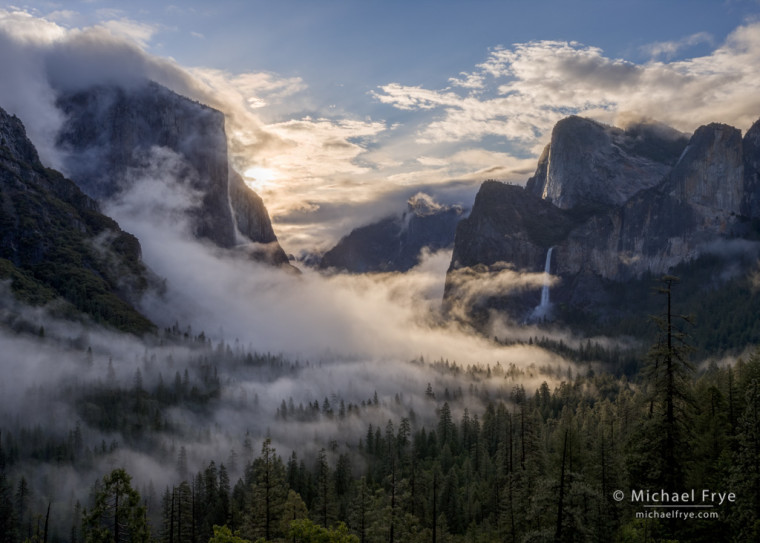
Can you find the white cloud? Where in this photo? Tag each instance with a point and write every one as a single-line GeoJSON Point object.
{"type": "Point", "coordinates": [468, 81]}
{"type": "Point", "coordinates": [139, 32]}
{"type": "Point", "coordinates": [432, 161]}
{"type": "Point", "coordinates": [24, 28]}
{"type": "Point", "coordinates": [668, 49]}
{"type": "Point", "coordinates": [388, 317]}
{"type": "Point", "coordinates": [412, 98]}
{"type": "Point", "coordinates": [491, 122]}
{"type": "Point", "coordinates": [257, 88]}
{"type": "Point", "coordinates": [519, 93]}
{"type": "Point", "coordinates": [63, 16]}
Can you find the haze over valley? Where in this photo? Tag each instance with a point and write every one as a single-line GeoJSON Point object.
{"type": "Point", "coordinates": [468, 299]}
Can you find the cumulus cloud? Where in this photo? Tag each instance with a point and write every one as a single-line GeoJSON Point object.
{"type": "Point", "coordinates": [306, 157]}
{"type": "Point", "coordinates": [308, 161]}
{"type": "Point", "coordinates": [326, 147]}
{"type": "Point", "coordinates": [251, 90]}
{"type": "Point", "coordinates": [520, 92]}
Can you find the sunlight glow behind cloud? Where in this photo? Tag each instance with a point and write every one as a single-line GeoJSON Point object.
{"type": "Point", "coordinates": [305, 158]}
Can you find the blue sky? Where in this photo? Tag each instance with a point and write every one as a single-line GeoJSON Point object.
{"type": "Point", "coordinates": [340, 110]}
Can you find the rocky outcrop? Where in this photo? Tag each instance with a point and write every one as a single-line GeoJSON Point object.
{"type": "Point", "coordinates": [710, 173]}
{"type": "Point", "coordinates": [55, 244]}
{"type": "Point", "coordinates": [395, 243]}
{"type": "Point", "coordinates": [604, 225]}
{"type": "Point", "coordinates": [751, 150]}
{"type": "Point", "coordinates": [587, 163]}
{"type": "Point", "coordinates": [508, 224]}
{"type": "Point", "coordinates": [252, 221]}
{"type": "Point", "coordinates": [110, 136]}
{"type": "Point", "coordinates": [115, 137]}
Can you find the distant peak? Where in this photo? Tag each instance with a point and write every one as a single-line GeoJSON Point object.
{"type": "Point", "coordinates": [422, 205]}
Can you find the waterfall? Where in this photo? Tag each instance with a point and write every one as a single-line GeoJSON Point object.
{"type": "Point", "coordinates": [545, 289]}
{"type": "Point", "coordinates": [541, 311]}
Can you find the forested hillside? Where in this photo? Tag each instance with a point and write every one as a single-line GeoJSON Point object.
{"type": "Point", "coordinates": [478, 454]}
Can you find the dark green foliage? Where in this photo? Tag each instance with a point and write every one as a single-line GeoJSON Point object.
{"type": "Point", "coordinates": [24, 286]}
{"type": "Point", "coordinates": [54, 243]}
{"type": "Point", "coordinates": [722, 295]}
{"type": "Point", "coordinates": [668, 377]}
{"type": "Point", "coordinates": [8, 516]}
{"type": "Point", "coordinates": [116, 516]}
{"type": "Point", "coordinates": [487, 461]}
{"type": "Point", "coordinates": [542, 466]}
{"type": "Point", "coordinates": [268, 495]}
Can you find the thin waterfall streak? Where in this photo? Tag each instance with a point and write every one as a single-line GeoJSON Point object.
{"type": "Point", "coordinates": [547, 270]}
{"type": "Point", "coordinates": [541, 311]}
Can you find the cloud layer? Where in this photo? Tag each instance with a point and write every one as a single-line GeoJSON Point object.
{"type": "Point", "coordinates": [520, 92]}
{"type": "Point", "coordinates": [309, 158]}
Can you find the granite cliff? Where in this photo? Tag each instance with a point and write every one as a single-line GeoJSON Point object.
{"type": "Point", "coordinates": [616, 205]}
{"type": "Point", "coordinates": [588, 163]}
{"type": "Point", "coordinates": [115, 135]}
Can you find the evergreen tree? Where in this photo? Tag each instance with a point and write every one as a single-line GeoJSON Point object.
{"type": "Point", "coordinates": [746, 467]}
{"type": "Point", "coordinates": [324, 506]}
{"type": "Point", "coordinates": [183, 525]}
{"type": "Point", "coordinates": [663, 437]}
{"type": "Point", "coordinates": [305, 531]}
{"type": "Point", "coordinates": [7, 513]}
{"type": "Point", "coordinates": [117, 515]}
{"type": "Point", "coordinates": [268, 494]}
{"type": "Point", "coordinates": [293, 509]}
{"type": "Point", "coordinates": [222, 534]}
{"type": "Point", "coordinates": [359, 512]}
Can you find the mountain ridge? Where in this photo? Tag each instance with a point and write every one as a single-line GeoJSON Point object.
{"type": "Point", "coordinates": [55, 243]}
{"type": "Point", "coordinates": [706, 196]}
{"type": "Point", "coordinates": [394, 243]}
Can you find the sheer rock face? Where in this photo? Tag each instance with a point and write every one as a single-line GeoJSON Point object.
{"type": "Point", "coordinates": [710, 174]}
{"type": "Point", "coordinates": [508, 224]}
{"type": "Point", "coordinates": [252, 221]}
{"type": "Point", "coordinates": [111, 134]}
{"type": "Point", "coordinates": [588, 163]}
{"type": "Point", "coordinates": [114, 137]}
{"type": "Point", "coordinates": [55, 243]}
{"type": "Point", "coordinates": [615, 206]}
{"type": "Point", "coordinates": [751, 149]}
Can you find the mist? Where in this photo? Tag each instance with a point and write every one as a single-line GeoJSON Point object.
{"type": "Point", "coordinates": [368, 344]}
{"type": "Point", "coordinates": [244, 350]}
{"type": "Point", "coordinates": [239, 340]}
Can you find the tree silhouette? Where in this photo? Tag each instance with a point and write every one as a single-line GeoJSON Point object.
{"type": "Point", "coordinates": [117, 515]}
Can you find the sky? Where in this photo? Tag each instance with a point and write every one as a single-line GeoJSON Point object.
{"type": "Point", "coordinates": [338, 111]}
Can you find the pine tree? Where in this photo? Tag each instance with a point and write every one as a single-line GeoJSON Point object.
{"type": "Point", "coordinates": [7, 513]}
{"type": "Point", "coordinates": [746, 467]}
{"type": "Point", "coordinates": [324, 506]}
{"type": "Point", "coordinates": [268, 494]}
{"type": "Point", "coordinates": [117, 515]}
{"type": "Point", "coordinates": [184, 521]}
{"type": "Point", "coordinates": [182, 470]}
{"type": "Point", "coordinates": [293, 509]}
{"type": "Point", "coordinates": [359, 512]}
{"type": "Point", "coordinates": [668, 377]}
